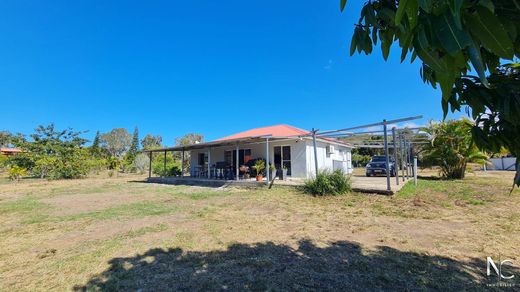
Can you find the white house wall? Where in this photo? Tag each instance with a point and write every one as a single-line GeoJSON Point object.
{"type": "Point", "coordinates": [298, 154]}
{"type": "Point", "coordinates": [326, 161]}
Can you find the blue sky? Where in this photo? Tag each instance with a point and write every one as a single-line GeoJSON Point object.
{"type": "Point", "coordinates": [212, 67]}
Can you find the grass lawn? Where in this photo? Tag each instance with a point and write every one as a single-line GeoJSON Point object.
{"type": "Point", "coordinates": [119, 233]}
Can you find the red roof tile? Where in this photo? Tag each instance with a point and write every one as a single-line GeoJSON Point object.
{"type": "Point", "coordinates": [274, 131]}
{"type": "Point", "coordinates": [10, 150]}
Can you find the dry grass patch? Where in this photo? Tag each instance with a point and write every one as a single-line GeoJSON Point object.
{"type": "Point", "coordinates": [123, 234]}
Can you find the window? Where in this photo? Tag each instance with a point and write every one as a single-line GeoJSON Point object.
{"type": "Point", "coordinates": [203, 159]}
{"type": "Point", "coordinates": [244, 155]}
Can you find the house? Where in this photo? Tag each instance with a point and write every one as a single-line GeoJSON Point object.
{"type": "Point", "coordinates": [9, 151]}
{"type": "Point", "coordinates": [283, 146]}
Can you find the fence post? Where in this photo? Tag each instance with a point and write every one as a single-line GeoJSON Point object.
{"type": "Point", "coordinates": [415, 170]}
{"type": "Point", "coordinates": [387, 159]}
{"type": "Point", "coordinates": [396, 165]}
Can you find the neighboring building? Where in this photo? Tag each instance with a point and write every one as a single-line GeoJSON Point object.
{"type": "Point", "coordinates": [283, 145]}
{"type": "Point", "coordinates": [9, 151]}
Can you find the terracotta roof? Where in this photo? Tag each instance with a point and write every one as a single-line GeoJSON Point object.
{"type": "Point", "coordinates": [10, 150]}
{"type": "Point", "coordinates": [274, 131]}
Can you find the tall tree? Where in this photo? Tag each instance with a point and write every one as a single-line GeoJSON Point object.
{"type": "Point", "coordinates": [151, 141]}
{"type": "Point", "coordinates": [116, 142]}
{"type": "Point", "coordinates": [5, 138]}
{"type": "Point", "coordinates": [94, 149]}
{"type": "Point", "coordinates": [134, 147]}
{"type": "Point", "coordinates": [451, 38]}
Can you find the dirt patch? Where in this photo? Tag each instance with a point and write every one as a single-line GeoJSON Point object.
{"type": "Point", "coordinates": [80, 203]}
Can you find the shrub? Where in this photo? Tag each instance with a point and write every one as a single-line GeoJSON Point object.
{"type": "Point", "coordinates": [16, 172]}
{"type": "Point", "coordinates": [96, 165]}
{"type": "Point", "coordinates": [141, 162]}
{"type": "Point", "coordinates": [3, 161]}
{"type": "Point", "coordinates": [328, 183]}
{"type": "Point", "coordinates": [173, 167]}
{"type": "Point", "coordinates": [451, 148]}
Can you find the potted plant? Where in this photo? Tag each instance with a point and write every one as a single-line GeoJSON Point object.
{"type": "Point", "coordinates": [259, 167]}
{"type": "Point", "coordinates": [272, 170]}
{"type": "Point", "coordinates": [284, 172]}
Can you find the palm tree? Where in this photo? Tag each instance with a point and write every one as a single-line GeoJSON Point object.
{"type": "Point", "coordinates": [452, 147]}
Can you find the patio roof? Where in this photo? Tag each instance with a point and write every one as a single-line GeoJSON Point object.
{"type": "Point", "coordinates": [254, 136]}
{"type": "Point", "coordinates": [243, 141]}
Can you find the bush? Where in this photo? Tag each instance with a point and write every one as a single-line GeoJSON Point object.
{"type": "Point", "coordinates": [173, 167]}
{"type": "Point", "coordinates": [96, 165]}
{"type": "Point", "coordinates": [328, 183]}
{"type": "Point", "coordinates": [17, 172]}
{"type": "Point", "coordinates": [141, 162]}
{"type": "Point", "coordinates": [3, 161]}
{"type": "Point", "coordinates": [360, 160]}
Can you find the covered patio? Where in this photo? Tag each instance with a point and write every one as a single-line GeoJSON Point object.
{"type": "Point", "coordinates": [227, 160]}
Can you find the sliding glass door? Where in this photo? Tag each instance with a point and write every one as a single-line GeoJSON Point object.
{"type": "Point", "coordinates": [282, 157]}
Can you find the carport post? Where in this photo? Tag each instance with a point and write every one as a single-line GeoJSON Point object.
{"type": "Point", "coordinates": [406, 157]}
{"type": "Point", "coordinates": [150, 165]}
{"type": "Point", "coordinates": [396, 168]}
{"type": "Point", "coordinates": [209, 162]}
{"type": "Point", "coordinates": [164, 170]}
{"type": "Point", "coordinates": [267, 170]}
{"type": "Point", "coordinates": [415, 170]}
{"type": "Point", "coordinates": [388, 187]}
{"type": "Point", "coordinates": [402, 155]}
{"type": "Point", "coordinates": [182, 163]}
{"type": "Point", "coordinates": [236, 162]}
{"type": "Point", "coordinates": [315, 151]}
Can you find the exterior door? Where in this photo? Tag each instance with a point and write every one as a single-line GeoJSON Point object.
{"type": "Point", "coordinates": [282, 157]}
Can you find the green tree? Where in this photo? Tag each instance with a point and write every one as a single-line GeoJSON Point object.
{"type": "Point", "coordinates": [452, 37]}
{"type": "Point", "coordinates": [451, 147]}
{"type": "Point", "coordinates": [95, 144]}
{"type": "Point", "coordinates": [151, 142]}
{"type": "Point", "coordinates": [116, 142]}
{"type": "Point", "coordinates": [52, 153]}
{"type": "Point", "coordinates": [134, 147]}
{"type": "Point", "coordinates": [5, 138]}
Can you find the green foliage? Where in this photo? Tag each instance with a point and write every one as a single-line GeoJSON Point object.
{"type": "Point", "coordinates": [113, 163]}
{"type": "Point", "coordinates": [116, 142]}
{"type": "Point", "coordinates": [52, 153]}
{"type": "Point", "coordinates": [16, 172]}
{"type": "Point", "coordinates": [496, 110]}
{"type": "Point", "coordinates": [452, 147]}
{"type": "Point", "coordinates": [173, 167]}
{"type": "Point", "coordinates": [360, 160]}
{"type": "Point", "coordinates": [5, 138]}
{"type": "Point", "coordinates": [259, 166]}
{"type": "Point", "coordinates": [328, 183]}
{"type": "Point", "coordinates": [3, 161]}
{"type": "Point", "coordinates": [452, 37]}
{"type": "Point", "coordinates": [151, 142]}
{"type": "Point", "coordinates": [134, 148]}
{"type": "Point", "coordinates": [44, 166]}
{"type": "Point", "coordinates": [96, 165]}
{"type": "Point", "coordinates": [95, 149]}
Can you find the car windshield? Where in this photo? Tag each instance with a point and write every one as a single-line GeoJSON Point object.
{"type": "Point", "coordinates": [381, 159]}
{"type": "Point", "coordinates": [378, 159]}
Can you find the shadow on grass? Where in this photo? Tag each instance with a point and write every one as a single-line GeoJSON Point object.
{"type": "Point", "coordinates": [269, 266]}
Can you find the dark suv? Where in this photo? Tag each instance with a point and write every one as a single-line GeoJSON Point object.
{"type": "Point", "coordinates": [377, 165]}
